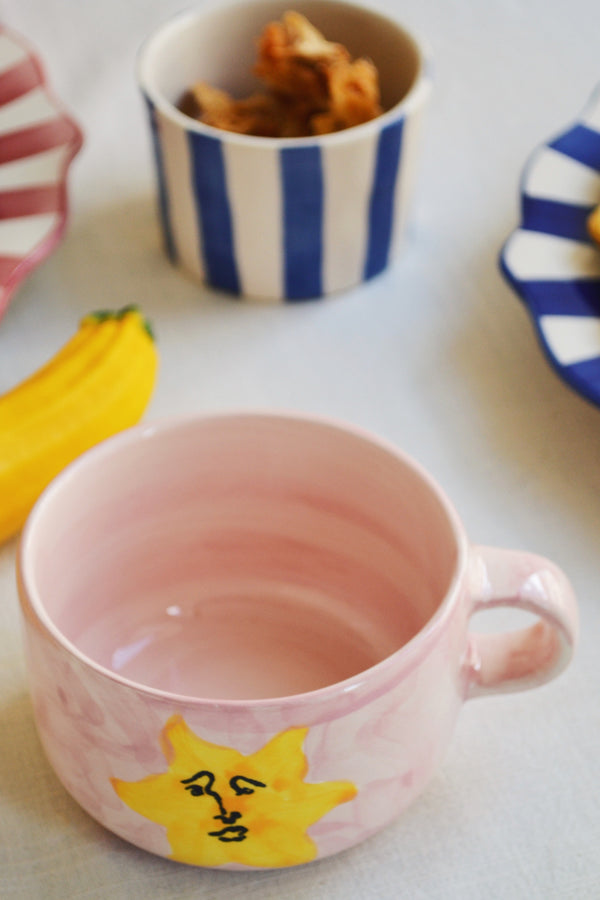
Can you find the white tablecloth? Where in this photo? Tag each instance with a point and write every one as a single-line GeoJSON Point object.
{"type": "Point", "coordinates": [437, 355]}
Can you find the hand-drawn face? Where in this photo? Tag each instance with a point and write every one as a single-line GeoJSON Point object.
{"type": "Point", "coordinates": [220, 806]}
{"type": "Point", "coordinates": [202, 785]}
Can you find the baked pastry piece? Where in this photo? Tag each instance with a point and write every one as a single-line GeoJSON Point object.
{"type": "Point", "coordinates": [312, 87]}
{"type": "Point", "coordinates": [258, 114]}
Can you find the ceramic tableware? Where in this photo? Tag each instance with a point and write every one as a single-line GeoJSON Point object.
{"type": "Point", "coordinates": [551, 261]}
{"type": "Point", "coordinates": [282, 219]}
{"type": "Point", "coordinates": [38, 141]}
{"type": "Point", "coordinates": [248, 634]}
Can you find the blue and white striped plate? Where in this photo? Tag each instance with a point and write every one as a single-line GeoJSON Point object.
{"type": "Point", "coordinates": [550, 260]}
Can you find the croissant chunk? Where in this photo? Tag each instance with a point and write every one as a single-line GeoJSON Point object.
{"type": "Point", "coordinates": [313, 86]}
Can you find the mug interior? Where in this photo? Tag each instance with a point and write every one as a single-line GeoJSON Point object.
{"type": "Point", "coordinates": [219, 46]}
{"type": "Point", "coordinates": [239, 557]}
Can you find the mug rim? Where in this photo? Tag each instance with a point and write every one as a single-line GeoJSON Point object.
{"type": "Point", "coordinates": [414, 97]}
{"type": "Point", "coordinates": [32, 604]}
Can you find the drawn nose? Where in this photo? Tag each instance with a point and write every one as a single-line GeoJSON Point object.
{"type": "Point", "coordinates": [223, 816]}
{"type": "Point", "coordinates": [228, 818]}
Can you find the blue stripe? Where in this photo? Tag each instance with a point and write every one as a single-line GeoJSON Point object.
{"type": "Point", "coordinates": [551, 217]}
{"type": "Point", "coordinates": [165, 216]}
{"type": "Point", "coordinates": [381, 209]}
{"type": "Point", "coordinates": [582, 144]}
{"type": "Point", "coordinates": [302, 187]}
{"type": "Point", "coordinates": [587, 376]}
{"type": "Point", "coordinates": [562, 298]}
{"type": "Point", "coordinates": [213, 211]}
{"type": "Point", "coordinates": [584, 376]}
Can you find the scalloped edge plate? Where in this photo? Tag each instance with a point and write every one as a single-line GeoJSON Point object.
{"type": "Point", "coordinates": [38, 141]}
{"type": "Point", "coordinates": [550, 260]}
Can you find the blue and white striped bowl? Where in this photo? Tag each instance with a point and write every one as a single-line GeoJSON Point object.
{"type": "Point", "coordinates": [551, 261]}
{"type": "Point", "coordinates": [281, 219]}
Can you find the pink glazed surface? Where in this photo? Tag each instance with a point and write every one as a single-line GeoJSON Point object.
{"type": "Point", "coordinates": [250, 574]}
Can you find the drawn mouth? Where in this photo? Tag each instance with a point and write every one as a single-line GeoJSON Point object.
{"type": "Point", "coordinates": [230, 833]}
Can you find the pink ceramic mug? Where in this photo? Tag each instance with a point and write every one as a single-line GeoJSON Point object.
{"type": "Point", "coordinates": [248, 637]}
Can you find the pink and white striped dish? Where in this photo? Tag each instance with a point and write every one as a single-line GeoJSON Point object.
{"type": "Point", "coordinates": [38, 141]}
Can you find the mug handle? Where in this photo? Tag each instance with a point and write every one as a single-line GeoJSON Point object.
{"type": "Point", "coordinates": [526, 658]}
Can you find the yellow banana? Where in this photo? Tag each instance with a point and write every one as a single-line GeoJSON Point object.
{"type": "Point", "coordinates": [593, 224]}
{"type": "Point", "coordinates": [99, 383]}
{"type": "Point", "coordinates": [55, 376]}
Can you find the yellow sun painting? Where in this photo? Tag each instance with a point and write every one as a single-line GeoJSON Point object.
{"type": "Point", "coordinates": [219, 806]}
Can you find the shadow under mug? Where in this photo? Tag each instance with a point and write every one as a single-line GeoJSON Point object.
{"type": "Point", "coordinates": [247, 634]}
{"type": "Point", "coordinates": [281, 219]}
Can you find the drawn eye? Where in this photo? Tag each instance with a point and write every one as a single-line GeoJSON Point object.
{"type": "Point", "coordinates": [241, 785]}
{"type": "Point", "coordinates": [198, 790]}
